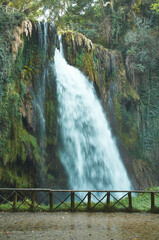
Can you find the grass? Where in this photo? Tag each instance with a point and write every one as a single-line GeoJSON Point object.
{"type": "Point", "coordinates": [141, 202]}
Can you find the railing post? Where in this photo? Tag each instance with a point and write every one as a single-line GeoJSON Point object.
{"type": "Point", "coordinates": [130, 200]}
{"type": "Point", "coordinates": [72, 201]}
{"type": "Point", "coordinates": [14, 201]}
{"type": "Point", "coordinates": [89, 201]}
{"type": "Point", "coordinates": [108, 200]}
{"type": "Point", "coordinates": [32, 200]}
{"type": "Point", "coordinates": [51, 201]}
{"type": "Point", "coordinates": [152, 200]}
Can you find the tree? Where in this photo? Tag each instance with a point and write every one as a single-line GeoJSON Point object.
{"type": "Point", "coordinates": [32, 7]}
{"type": "Point", "coordinates": [82, 16]}
{"type": "Point", "coordinates": [142, 49]}
{"type": "Point", "coordinates": [155, 6]}
{"type": "Point", "coordinates": [106, 26]}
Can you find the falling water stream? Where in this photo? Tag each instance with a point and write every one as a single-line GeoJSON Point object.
{"type": "Point", "coordinates": [40, 100]}
{"type": "Point", "coordinates": [39, 95]}
{"type": "Point", "coordinates": [87, 149]}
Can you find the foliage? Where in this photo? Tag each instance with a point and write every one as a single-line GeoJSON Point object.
{"type": "Point", "coordinates": [18, 147]}
{"type": "Point", "coordinates": [155, 6]}
{"type": "Point", "coordinates": [141, 47]}
{"type": "Point", "coordinates": [34, 9]}
{"type": "Point", "coordinates": [104, 22]}
{"type": "Point", "coordinates": [7, 24]}
{"type": "Point", "coordinates": [82, 16]}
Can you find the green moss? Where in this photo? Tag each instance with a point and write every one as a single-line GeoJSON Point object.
{"type": "Point", "coordinates": [68, 50]}
{"type": "Point", "coordinates": [13, 178]}
{"type": "Point", "coordinates": [19, 148]}
{"type": "Point", "coordinates": [20, 145]}
{"type": "Point", "coordinates": [117, 110]}
{"type": "Point", "coordinates": [127, 124]}
{"type": "Point", "coordinates": [1, 173]}
{"type": "Point", "coordinates": [13, 136]}
{"type": "Point", "coordinates": [88, 65]}
{"type": "Point", "coordinates": [130, 139]}
{"type": "Point", "coordinates": [79, 59]}
{"type": "Point", "coordinates": [50, 178]}
{"type": "Point", "coordinates": [50, 114]}
{"type": "Point", "coordinates": [23, 154]}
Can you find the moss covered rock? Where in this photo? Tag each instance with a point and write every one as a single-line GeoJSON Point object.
{"type": "Point", "coordinates": [23, 162]}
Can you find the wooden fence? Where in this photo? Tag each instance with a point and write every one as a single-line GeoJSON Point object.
{"type": "Point", "coordinates": [72, 200]}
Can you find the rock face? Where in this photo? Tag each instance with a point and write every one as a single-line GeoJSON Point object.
{"type": "Point", "coordinates": [25, 28]}
{"type": "Point", "coordinates": [23, 162]}
{"type": "Point", "coordinates": [120, 99]}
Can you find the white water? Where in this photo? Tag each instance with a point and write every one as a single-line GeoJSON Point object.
{"type": "Point", "coordinates": [87, 148]}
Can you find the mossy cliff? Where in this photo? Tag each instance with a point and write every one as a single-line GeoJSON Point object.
{"type": "Point", "coordinates": [121, 101]}
{"type": "Point", "coordinates": [23, 163]}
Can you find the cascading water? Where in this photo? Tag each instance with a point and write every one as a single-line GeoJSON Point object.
{"type": "Point", "coordinates": [39, 99]}
{"type": "Point", "coordinates": [87, 148]}
{"type": "Point", "coordinates": [39, 96]}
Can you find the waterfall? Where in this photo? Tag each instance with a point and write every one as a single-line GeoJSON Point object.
{"type": "Point", "coordinates": [88, 150]}
{"type": "Point", "coordinates": [39, 95]}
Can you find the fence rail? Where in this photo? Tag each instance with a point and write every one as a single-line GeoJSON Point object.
{"type": "Point", "coordinates": [72, 200]}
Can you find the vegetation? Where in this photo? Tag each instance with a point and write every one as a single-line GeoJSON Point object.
{"type": "Point", "coordinates": [104, 22]}
{"type": "Point", "coordinates": [22, 161]}
{"type": "Point", "coordinates": [129, 26]}
{"type": "Point", "coordinates": [7, 24]}
{"type": "Point", "coordinates": [18, 147]}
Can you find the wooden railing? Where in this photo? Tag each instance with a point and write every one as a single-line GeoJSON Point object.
{"type": "Point", "coordinates": [72, 200]}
